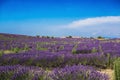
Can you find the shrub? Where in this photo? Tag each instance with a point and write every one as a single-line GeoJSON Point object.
{"type": "Point", "coordinates": [117, 69]}
{"type": "Point", "coordinates": [69, 37]}
{"type": "Point", "coordinates": [38, 36]}
{"type": "Point", "coordinates": [18, 72]}
{"type": "Point", "coordinates": [22, 74]}
{"type": "Point", "coordinates": [100, 37]}
{"type": "Point", "coordinates": [77, 73]}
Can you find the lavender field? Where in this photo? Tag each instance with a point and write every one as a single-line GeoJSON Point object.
{"type": "Point", "coordinates": [48, 58]}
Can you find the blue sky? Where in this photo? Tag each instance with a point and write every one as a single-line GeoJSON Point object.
{"type": "Point", "coordinates": [60, 17]}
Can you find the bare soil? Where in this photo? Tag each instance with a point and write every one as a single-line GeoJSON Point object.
{"type": "Point", "coordinates": [109, 72]}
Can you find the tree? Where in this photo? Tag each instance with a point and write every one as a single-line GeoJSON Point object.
{"type": "Point", "coordinates": [100, 37]}
{"type": "Point", "coordinates": [69, 37]}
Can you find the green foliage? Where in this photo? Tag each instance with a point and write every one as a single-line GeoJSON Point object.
{"type": "Point", "coordinates": [25, 76]}
{"type": "Point", "coordinates": [94, 50]}
{"type": "Point", "coordinates": [15, 75]}
{"type": "Point", "coordinates": [40, 77]}
{"type": "Point", "coordinates": [41, 48]}
{"type": "Point", "coordinates": [38, 36]}
{"type": "Point", "coordinates": [74, 49]}
{"type": "Point", "coordinates": [47, 36]}
{"type": "Point", "coordinates": [52, 37]}
{"type": "Point", "coordinates": [26, 48]}
{"type": "Point", "coordinates": [1, 52]}
{"type": "Point", "coordinates": [61, 47]}
{"type": "Point", "coordinates": [117, 69]}
{"type": "Point", "coordinates": [100, 37]}
{"type": "Point", "coordinates": [109, 60]}
{"type": "Point", "coordinates": [69, 37]}
{"type": "Point", "coordinates": [6, 75]}
{"type": "Point", "coordinates": [15, 50]}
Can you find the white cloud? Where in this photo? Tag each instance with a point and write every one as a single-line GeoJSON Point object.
{"type": "Point", "coordinates": [97, 26]}
{"type": "Point", "coordinates": [93, 21]}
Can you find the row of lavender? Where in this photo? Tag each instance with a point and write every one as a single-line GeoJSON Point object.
{"type": "Point", "coordinates": [57, 45]}
{"type": "Point", "coordinates": [18, 72]}
{"type": "Point", "coordinates": [59, 52]}
{"type": "Point", "coordinates": [50, 54]}
{"type": "Point", "coordinates": [53, 60]}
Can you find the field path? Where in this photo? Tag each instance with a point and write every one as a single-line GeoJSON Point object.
{"type": "Point", "coordinates": [109, 72]}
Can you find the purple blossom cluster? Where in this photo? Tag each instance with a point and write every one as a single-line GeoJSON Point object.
{"type": "Point", "coordinates": [18, 72]}
{"type": "Point", "coordinates": [61, 58]}
{"type": "Point", "coordinates": [77, 72]}
{"type": "Point", "coordinates": [52, 60]}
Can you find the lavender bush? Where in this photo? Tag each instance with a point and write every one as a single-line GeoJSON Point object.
{"type": "Point", "coordinates": [61, 58]}
{"type": "Point", "coordinates": [77, 73]}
